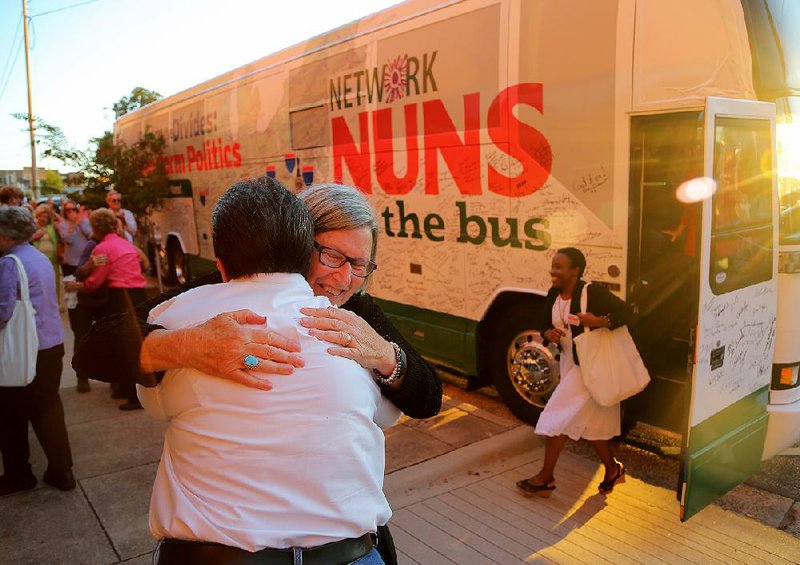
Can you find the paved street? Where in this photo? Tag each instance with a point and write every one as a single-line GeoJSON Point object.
{"type": "Point", "coordinates": [450, 481]}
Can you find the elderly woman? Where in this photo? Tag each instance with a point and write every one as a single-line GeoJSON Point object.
{"type": "Point", "coordinates": [117, 269]}
{"type": "Point", "coordinates": [39, 402]}
{"type": "Point", "coordinates": [571, 412]}
{"type": "Point", "coordinates": [47, 240]}
{"type": "Point", "coordinates": [343, 260]}
{"type": "Point", "coordinates": [11, 196]}
{"type": "Point", "coordinates": [75, 234]}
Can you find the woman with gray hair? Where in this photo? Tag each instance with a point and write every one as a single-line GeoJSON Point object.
{"type": "Point", "coordinates": [118, 272]}
{"type": "Point", "coordinates": [39, 402]}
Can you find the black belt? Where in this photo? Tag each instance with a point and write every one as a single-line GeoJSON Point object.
{"type": "Point", "coordinates": [174, 551]}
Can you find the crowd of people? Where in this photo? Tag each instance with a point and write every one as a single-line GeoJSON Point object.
{"type": "Point", "coordinates": [298, 471]}
{"type": "Point", "coordinates": [74, 259]}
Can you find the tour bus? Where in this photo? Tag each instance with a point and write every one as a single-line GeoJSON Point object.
{"type": "Point", "coordinates": [488, 134]}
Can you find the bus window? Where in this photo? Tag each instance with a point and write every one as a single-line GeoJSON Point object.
{"type": "Point", "coordinates": [790, 225]}
{"type": "Point", "coordinates": [741, 226]}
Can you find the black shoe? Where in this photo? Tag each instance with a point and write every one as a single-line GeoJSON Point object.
{"type": "Point", "coordinates": [543, 490]}
{"type": "Point", "coordinates": [62, 480]}
{"type": "Point", "coordinates": [606, 487]}
{"type": "Point", "coordinates": [131, 405]}
{"type": "Point", "coordinates": [83, 385]}
{"type": "Point", "coordinates": [10, 485]}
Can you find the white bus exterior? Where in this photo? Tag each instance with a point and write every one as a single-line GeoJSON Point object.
{"type": "Point", "coordinates": [489, 133]}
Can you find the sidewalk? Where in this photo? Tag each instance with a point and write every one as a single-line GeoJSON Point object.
{"type": "Point", "coordinates": [477, 516]}
{"type": "Point", "coordinates": [450, 482]}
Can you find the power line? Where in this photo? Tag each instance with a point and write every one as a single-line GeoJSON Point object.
{"type": "Point", "coordinates": [10, 70]}
{"type": "Point", "coordinates": [11, 50]}
{"type": "Point", "coordinates": [11, 63]}
{"type": "Point", "coordinates": [62, 9]}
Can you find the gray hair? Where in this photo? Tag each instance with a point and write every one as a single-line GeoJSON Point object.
{"type": "Point", "coordinates": [16, 223]}
{"type": "Point", "coordinates": [340, 207]}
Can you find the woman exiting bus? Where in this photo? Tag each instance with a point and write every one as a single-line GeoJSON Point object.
{"type": "Point", "coordinates": [572, 413]}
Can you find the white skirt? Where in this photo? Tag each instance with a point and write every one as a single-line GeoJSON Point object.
{"type": "Point", "coordinates": [571, 410]}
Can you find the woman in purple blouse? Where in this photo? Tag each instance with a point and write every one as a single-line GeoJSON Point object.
{"type": "Point", "coordinates": [39, 402]}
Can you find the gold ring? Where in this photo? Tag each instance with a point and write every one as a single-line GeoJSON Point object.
{"type": "Point", "coordinates": [347, 339]}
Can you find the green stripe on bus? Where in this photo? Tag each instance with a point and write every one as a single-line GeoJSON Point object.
{"type": "Point", "coordinates": [725, 450]}
{"type": "Point", "coordinates": [443, 338]}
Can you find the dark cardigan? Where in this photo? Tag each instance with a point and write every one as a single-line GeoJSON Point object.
{"type": "Point", "coordinates": [110, 350]}
{"type": "Point", "coordinates": [599, 301]}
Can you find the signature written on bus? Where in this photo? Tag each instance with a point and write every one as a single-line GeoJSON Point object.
{"type": "Point", "coordinates": [591, 182]}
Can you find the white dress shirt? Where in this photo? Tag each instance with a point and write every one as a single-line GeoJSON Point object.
{"type": "Point", "coordinates": [298, 466]}
{"type": "Point", "coordinates": [130, 224]}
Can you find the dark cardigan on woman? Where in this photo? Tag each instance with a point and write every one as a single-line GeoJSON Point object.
{"type": "Point", "coordinates": [599, 301]}
{"type": "Point", "coordinates": [115, 342]}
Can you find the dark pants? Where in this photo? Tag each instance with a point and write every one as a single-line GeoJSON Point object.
{"type": "Point", "coordinates": [39, 404]}
{"type": "Point", "coordinates": [68, 269]}
{"type": "Point", "coordinates": [123, 300]}
{"type": "Point", "coordinates": [81, 319]}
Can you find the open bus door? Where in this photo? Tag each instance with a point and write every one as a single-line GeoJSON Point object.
{"type": "Point", "coordinates": [727, 410]}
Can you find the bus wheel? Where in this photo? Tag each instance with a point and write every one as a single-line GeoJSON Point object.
{"type": "Point", "coordinates": [524, 370]}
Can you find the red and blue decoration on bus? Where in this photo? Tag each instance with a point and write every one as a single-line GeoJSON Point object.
{"type": "Point", "coordinates": [308, 175]}
{"type": "Point", "coordinates": [291, 161]}
{"type": "Point", "coordinates": [271, 171]}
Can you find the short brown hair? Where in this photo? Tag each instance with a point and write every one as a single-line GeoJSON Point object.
{"type": "Point", "coordinates": [258, 226]}
{"type": "Point", "coordinates": [103, 221]}
{"type": "Point", "coordinates": [9, 192]}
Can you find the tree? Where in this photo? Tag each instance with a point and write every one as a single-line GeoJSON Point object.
{"type": "Point", "coordinates": [138, 98]}
{"type": "Point", "coordinates": [52, 183]}
{"type": "Point", "coordinates": [137, 171]}
{"type": "Point", "coordinates": [55, 143]}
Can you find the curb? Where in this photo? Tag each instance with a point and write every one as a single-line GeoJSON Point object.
{"type": "Point", "coordinates": [459, 466]}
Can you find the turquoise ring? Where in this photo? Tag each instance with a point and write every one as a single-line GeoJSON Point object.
{"type": "Point", "coordinates": [251, 361]}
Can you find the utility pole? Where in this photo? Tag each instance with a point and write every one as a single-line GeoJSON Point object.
{"type": "Point", "coordinates": [34, 175]}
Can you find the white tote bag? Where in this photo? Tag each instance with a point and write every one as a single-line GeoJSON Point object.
{"type": "Point", "coordinates": [19, 342]}
{"type": "Point", "coordinates": [611, 366]}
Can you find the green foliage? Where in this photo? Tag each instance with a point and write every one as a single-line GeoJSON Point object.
{"type": "Point", "coordinates": [52, 183]}
{"type": "Point", "coordinates": [138, 98]}
{"type": "Point", "coordinates": [137, 171]}
{"type": "Point", "coordinates": [55, 143]}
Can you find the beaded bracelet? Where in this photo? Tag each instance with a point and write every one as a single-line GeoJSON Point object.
{"type": "Point", "coordinates": [399, 367]}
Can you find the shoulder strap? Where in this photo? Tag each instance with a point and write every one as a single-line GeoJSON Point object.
{"type": "Point", "coordinates": [584, 297]}
{"type": "Point", "coordinates": [23, 278]}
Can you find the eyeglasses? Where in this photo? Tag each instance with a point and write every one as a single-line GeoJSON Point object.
{"type": "Point", "coordinates": [115, 200]}
{"type": "Point", "coordinates": [334, 259]}
{"type": "Point", "coordinates": [70, 209]}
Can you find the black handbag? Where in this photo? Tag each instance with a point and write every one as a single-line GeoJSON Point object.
{"type": "Point", "coordinates": [386, 545]}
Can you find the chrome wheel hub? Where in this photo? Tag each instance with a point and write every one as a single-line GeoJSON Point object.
{"type": "Point", "coordinates": [532, 367]}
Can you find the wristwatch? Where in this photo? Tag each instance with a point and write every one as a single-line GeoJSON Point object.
{"type": "Point", "coordinates": [399, 371]}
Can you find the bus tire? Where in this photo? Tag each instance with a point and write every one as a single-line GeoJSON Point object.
{"type": "Point", "coordinates": [524, 371]}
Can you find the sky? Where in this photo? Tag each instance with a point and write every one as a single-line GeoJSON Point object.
{"type": "Point", "coordinates": [89, 55]}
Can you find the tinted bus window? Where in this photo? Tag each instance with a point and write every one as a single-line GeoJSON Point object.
{"type": "Point", "coordinates": [741, 227]}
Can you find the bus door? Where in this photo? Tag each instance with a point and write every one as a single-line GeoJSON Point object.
{"type": "Point", "coordinates": [726, 425]}
{"type": "Point", "coordinates": [664, 261]}
{"type": "Point", "coordinates": [175, 223]}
